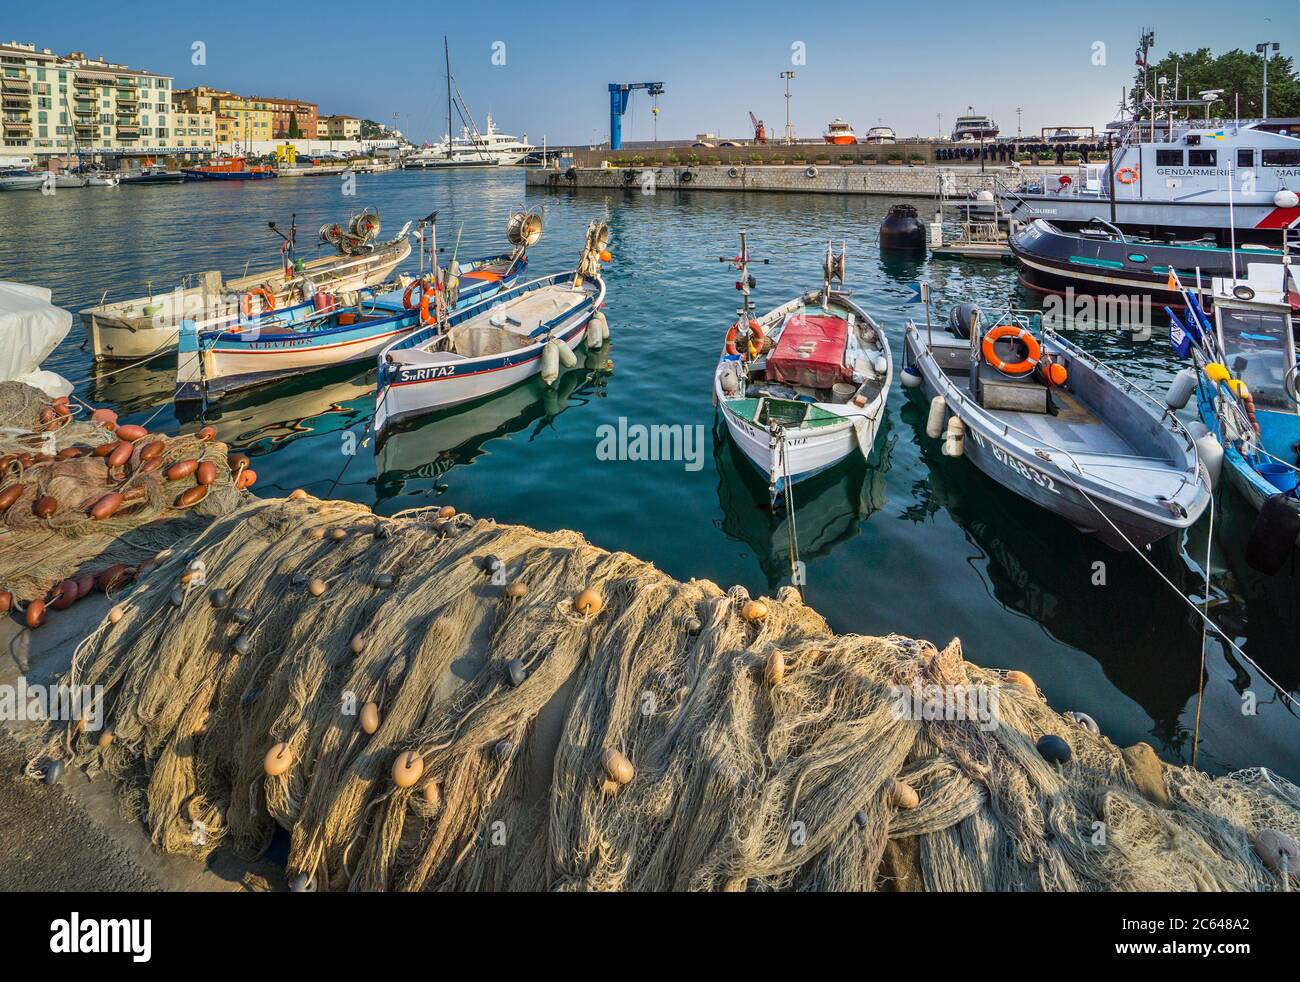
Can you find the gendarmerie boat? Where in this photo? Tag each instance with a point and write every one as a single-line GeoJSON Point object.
{"type": "Point", "coordinates": [1102, 260]}
{"type": "Point", "coordinates": [1189, 179]}
{"type": "Point", "coordinates": [1051, 423]}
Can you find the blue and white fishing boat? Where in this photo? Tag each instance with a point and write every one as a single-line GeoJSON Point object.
{"type": "Point", "coordinates": [276, 343]}
{"type": "Point", "coordinates": [530, 329]}
{"type": "Point", "coordinates": [1245, 379]}
{"type": "Point", "coordinates": [1053, 424]}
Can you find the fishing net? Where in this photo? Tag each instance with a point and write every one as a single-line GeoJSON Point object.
{"type": "Point", "coordinates": [53, 457]}
{"type": "Point", "coordinates": [646, 735]}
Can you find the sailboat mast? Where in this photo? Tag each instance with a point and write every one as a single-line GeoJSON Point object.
{"type": "Point", "coordinates": [446, 52]}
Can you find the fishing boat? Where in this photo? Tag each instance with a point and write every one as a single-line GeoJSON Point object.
{"type": "Point", "coordinates": [268, 345]}
{"type": "Point", "coordinates": [804, 386]}
{"type": "Point", "coordinates": [147, 326]}
{"type": "Point", "coordinates": [231, 169]}
{"type": "Point", "coordinates": [528, 330]}
{"type": "Point", "coordinates": [1053, 424]}
{"type": "Point", "coordinates": [1245, 373]}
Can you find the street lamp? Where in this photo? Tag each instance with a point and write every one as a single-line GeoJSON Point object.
{"type": "Point", "coordinates": [789, 127]}
{"type": "Point", "coordinates": [1263, 49]}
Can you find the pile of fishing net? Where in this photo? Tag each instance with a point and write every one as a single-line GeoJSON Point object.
{"type": "Point", "coordinates": [85, 502]}
{"type": "Point", "coordinates": [434, 702]}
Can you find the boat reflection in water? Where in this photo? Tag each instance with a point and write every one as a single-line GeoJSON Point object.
{"type": "Point", "coordinates": [412, 460]}
{"type": "Point", "coordinates": [828, 507]}
{"type": "Point", "coordinates": [1041, 567]}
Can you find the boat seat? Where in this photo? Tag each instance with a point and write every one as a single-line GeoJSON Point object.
{"type": "Point", "coordinates": [419, 357]}
{"type": "Point", "coordinates": [1025, 394]}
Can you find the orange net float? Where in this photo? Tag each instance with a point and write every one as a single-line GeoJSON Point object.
{"type": "Point", "coordinates": [268, 300]}
{"type": "Point", "coordinates": [1053, 373]}
{"type": "Point", "coordinates": [1033, 350]}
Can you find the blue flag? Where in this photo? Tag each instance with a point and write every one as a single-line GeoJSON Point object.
{"type": "Point", "coordinates": [1179, 339]}
{"type": "Point", "coordinates": [916, 292]}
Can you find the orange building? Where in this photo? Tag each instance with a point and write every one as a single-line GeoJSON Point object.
{"type": "Point", "coordinates": [285, 112]}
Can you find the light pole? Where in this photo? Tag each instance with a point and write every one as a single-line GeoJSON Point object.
{"type": "Point", "coordinates": [1018, 112]}
{"type": "Point", "coordinates": [1264, 49]}
{"type": "Point", "coordinates": [789, 127]}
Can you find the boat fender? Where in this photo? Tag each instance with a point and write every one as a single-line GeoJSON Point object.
{"type": "Point", "coordinates": [1181, 389]}
{"type": "Point", "coordinates": [1286, 198]}
{"type": "Point", "coordinates": [599, 319]}
{"type": "Point", "coordinates": [593, 338]}
{"type": "Point", "coordinates": [1273, 537]}
{"type": "Point", "coordinates": [550, 362]}
{"type": "Point", "coordinates": [567, 358]}
{"type": "Point", "coordinates": [1211, 453]}
{"type": "Point", "coordinates": [879, 365]}
{"type": "Point", "coordinates": [1086, 721]}
{"type": "Point", "coordinates": [729, 381]}
{"type": "Point", "coordinates": [570, 174]}
{"type": "Point", "coordinates": [810, 172]}
{"type": "Point", "coordinates": [1197, 429]}
{"type": "Point", "coordinates": [953, 444]}
{"type": "Point", "coordinates": [934, 424]}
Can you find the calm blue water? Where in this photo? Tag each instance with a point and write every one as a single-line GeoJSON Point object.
{"type": "Point", "coordinates": [912, 543]}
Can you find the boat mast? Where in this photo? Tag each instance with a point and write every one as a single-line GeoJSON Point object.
{"type": "Point", "coordinates": [446, 52]}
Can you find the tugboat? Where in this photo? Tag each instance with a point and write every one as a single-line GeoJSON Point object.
{"type": "Point", "coordinates": [840, 133]}
{"type": "Point", "coordinates": [231, 169]}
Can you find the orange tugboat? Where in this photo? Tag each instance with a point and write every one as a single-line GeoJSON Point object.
{"type": "Point", "coordinates": [231, 169]}
{"type": "Point", "coordinates": [839, 132]}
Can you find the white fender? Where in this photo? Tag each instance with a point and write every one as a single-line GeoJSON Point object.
{"type": "Point", "coordinates": [934, 424]}
{"type": "Point", "coordinates": [550, 363]}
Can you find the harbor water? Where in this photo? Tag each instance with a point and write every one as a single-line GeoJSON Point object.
{"type": "Point", "coordinates": [911, 542]}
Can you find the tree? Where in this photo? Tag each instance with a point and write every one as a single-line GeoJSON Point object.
{"type": "Point", "coordinates": [295, 131]}
{"type": "Point", "coordinates": [370, 130]}
{"type": "Point", "coordinates": [1240, 74]}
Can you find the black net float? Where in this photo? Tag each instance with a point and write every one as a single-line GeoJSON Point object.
{"type": "Point", "coordinates": [242, 615]}
{"type": "Point", "coordinates": [299, 579]}
{"type": "Point", "coordinates": [219, 598]}
{"type": "Point", "coordinates": [1053, 749]}
{"type": "Point", "coordinates": [491, 564]}
{"type": "Point", "coordinates": [384, 580]}
{"type": "Point", "coordinates": [243, 644]}
{"type": "Point", "coordinates": [177, 596]}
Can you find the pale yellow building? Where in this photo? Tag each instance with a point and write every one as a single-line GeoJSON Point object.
{"type": "Point", "coordinates": [340, 127]}
{"type": "Point", "coordinates": [194, 130]}
{"type": "Point", "coordinates": [238, 121]}
{"type": "Point", "coordinates": [52, 104]}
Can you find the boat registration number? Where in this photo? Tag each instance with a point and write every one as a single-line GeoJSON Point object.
{"type": "Point", "coordinates": [1032, 474]}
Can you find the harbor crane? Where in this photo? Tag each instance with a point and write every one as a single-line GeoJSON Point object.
{"type": "Point", "coordinates": [618, 95]}
{"type": "Point", "coordinates": [760, 131]}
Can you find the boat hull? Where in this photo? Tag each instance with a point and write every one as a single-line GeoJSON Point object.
{"type": "Point", "coordinates": [1254, 222]}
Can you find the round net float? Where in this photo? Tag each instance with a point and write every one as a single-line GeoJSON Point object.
{"type": "Point", "coordinates": [6, 602]}
{"type": "Point", "coordinates": [205, 434]}
{"type": "Point", "coordinates": [588, 603]}
{"type": "Point", "coordinates": [407, 769]}
{"type": "Point", "coordinates": [358, 643]}
{"type": "Point", "coordinates": [1086, 721]}
{"type": "Point", "coordinates": [609, 787]}
{"type": "Point", "coordinates": [130, 433]}
{"type": "Point", "coordinates": [246, 479]}
{"type": "Point", "coordinates": [861, 818]}
{"type": "Point", "coordinates": [384, 580]}
{"type": "Point", "coordinates": [237, 460]}
{"type": "Point", "coordinates": [431, 796]}
{"type": "Point", "coordinates": [219, 598]}
{"type": "Point", "coordinates": [1053, 749]}
{"type": "Point", "coordinates": [105, 739]}
{"type": "Point", "coordinates": [35, 614]}
{"type": "Point", "coordinates": [242, 615]}
{"type": "Point", "coordinates": [789, 595]}
{"type": "Point", "coordinates": [902, 794]}
{"type": "Point", "coordinates": [1022, 680]}
{"type": "Point", "coordinates": [53, 772]}
{"type": "Point", "coordinates": [738, 593]}
{"type": "Point", "coordinates": [316, 587]}
{"type": "Point", "coordinates": [242, 644]}
{"type": "Point", "coordinates": [490, 564]}
{"type": "Point", "coordinates": [151, 451]}
{"type": "Point", "coordinates": [446, 511]}
{"type": "Point", "coordinates": [145, 568]}
{"type": "Point", "coordinates": [115, 576]}
{"type": "Point", "coordinates": [370, 719]}
{"type": "Point", "coordinates": [504, 750]}
{"type": "Point", "coordinates": [302, 883]}
{"type": "Point", "coordinates": [205, 473]}
{"type": "Point", "coordinates": [617, 766]}
{"type": "Point", "coordinates": [774, 668]}
{"type": "Point", "coordinates": [177, 596]}
{"type": "Point", "coordinates": [116, 614]}
{"type": "Point", "coordinates": [754, 610]}
{"type": "Point", "coordinates": [192, 496]}
{"type": "Point", "coordinates": [65, 595]}
{"type": "Point", "coordinates": [45, 506]}
{"type": "Point", "coordinates": [119, 455]}
{"type": "Point", "coordinates": [516, 589]}
{"type": "Point", "coordinates": [515, 672]}
{"type": "Point", "coordinates": [1272, 847]}
{"type": "Point", "coordinates": [278, 760]}
{"type": "Point", "coordinates": [107, 506]}
{"type": "Point", "coordinates": [338, 535]}
{"type": "Point", "coordinates": [297, 494]}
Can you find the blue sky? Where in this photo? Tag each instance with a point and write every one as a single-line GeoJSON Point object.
{"type": "Point", "coordinates": [900, 63]}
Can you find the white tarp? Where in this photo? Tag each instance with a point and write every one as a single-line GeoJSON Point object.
{"type": "Point", "coordinates": [30, 329]}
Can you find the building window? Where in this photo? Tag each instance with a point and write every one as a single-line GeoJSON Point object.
{"type": "Point", "coordinates": [1202, 158]}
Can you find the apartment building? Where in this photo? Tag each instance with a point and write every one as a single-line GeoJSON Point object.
{"type": "Point", "coordinates": [57, 103]}
{"type": "Point", "coordinates": [237, 120]}
{"type": "Point", "coordinates": [291, 118]}
{"type": "Point", "coordinates": [341, 127]}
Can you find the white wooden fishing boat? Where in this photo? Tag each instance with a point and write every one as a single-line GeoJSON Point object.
{"type": "Point", "coordinates": [804, 386]}
{"type": "Point", "coordinates": [528, 330]}
{"type": "Point", "coordinates": [147, 326]}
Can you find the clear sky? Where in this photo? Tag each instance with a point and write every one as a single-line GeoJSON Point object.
{"type": "Point", "coordinates": [900, 63]}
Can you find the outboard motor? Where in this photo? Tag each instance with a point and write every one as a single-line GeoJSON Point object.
{"type": "Point", "coordinates": [960, 319]}
{"type": "Point", "coordinates": [902, 229]}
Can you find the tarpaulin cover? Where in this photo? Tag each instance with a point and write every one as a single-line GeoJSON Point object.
{"type": "Point", "coordinates": [810, 352]}
{"type": "Point", "coordinates": [30, 328]}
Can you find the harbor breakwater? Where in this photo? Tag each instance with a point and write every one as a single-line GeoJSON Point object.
{"type": "Point", "coordinates": [437, 701]}
{"type": "Point", "coordinates": [923, 180]}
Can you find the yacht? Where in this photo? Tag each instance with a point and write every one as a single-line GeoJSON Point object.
{"type": "Point", "coordinates": [839, 132]}
{"type": "Point", "coordinates": [1233, 181]}
{"type": "Point", "coordinates": [880, 134]}
{"type": "Point", "coordinates": [490, 148]}
{"type": "Point", "coordinates": [974, 127]}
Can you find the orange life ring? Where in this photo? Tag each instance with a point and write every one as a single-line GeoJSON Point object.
{"type": "Point", "coordinates": [268, 301]}
{"type": "Point", "coordinates": [1033, 350]}
{"type": "Point", "coordinates": [733, 335]}
{"type": "Point", "coordinates": [1132, 173]}
{"type": "Point", "coordinates": [427, 293]}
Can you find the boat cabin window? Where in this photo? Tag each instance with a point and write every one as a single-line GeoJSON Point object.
{"type": "Point", "coordinates": [1281, 158]}
{"type": "Point", "coordinates": [1258, 349]}
{"type": "Point", "coordinates": [1245, 157]}
{"type": "Point", "coordinates": [1202, 158]}
{"type": "Point", "coordinates": [1169, 158]}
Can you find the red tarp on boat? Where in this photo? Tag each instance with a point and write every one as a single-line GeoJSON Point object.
{"type": "Point", "coordinates": [810, 352]}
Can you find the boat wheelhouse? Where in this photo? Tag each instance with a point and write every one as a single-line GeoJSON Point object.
{"type": "Point", "coordinates": [880, 134]}
{"type": "Point", "coordinates": [974, 127]}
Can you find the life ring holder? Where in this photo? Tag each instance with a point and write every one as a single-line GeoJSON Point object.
{"type": "Point", "coordinates": [733, 173]}
{"type": "Point", "coordinates": [268, 301]}
{"type": "Point", "coordinates": [1132, 175]}
{"type": "Point", "coordinates": [686, 177]}
{"type": "Point", "coordinates": [628, 176]}
{"type": "Point", "coordinates": [810, 172]}
{"type": "Point", "coordinates": [1033, 350]}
